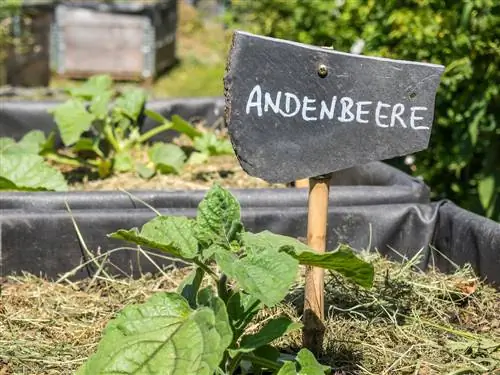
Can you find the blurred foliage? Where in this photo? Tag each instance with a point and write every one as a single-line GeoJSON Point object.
{"type": "Point", "coordinates": [8, 9]}
{"type": "Point", "coordinates": [463, 159]}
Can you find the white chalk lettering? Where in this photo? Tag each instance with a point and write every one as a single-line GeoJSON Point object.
{"type": "Point", "coordinates": [360, 112]}
{"type": "Point", "coordinates": [329, 112]}
{"type": "Point", "coordinates": [413, 118]}
{"type": "Point", "coordinates": [269, 103]}
{"type": "Point", "coordinates": [335, 109]}
{"type": "Point", "coordinates": [255, 102]}
{"type": "Point", "coordinates": [287, 112]}
{"type": "Point", "coordinates": [347, 104]}
{"type": "Point", "coordinates": [397, 111]}
{"type": "Point", "coordinates": [306, 108]}
{"type": "Point", "coordinates": [378, 116]}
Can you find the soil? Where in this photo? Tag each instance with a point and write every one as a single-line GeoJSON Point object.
{"type": "Point", "coordinates": [224, 170]}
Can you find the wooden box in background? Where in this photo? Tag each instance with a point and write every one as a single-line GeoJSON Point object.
{"type": "Point", "coordinates": [134, 40]}
{"type": "Point", "coordinates": [27, 60]}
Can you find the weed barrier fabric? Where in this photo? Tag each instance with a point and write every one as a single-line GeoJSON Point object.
{"type": "Point", "coordinates": [44, 241]}
{"type": "Point", "coordinates": [19, 117]}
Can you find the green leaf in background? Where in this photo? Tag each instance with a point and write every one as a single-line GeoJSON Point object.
{"type": "Point", "coordinates": [144, 171]}
{"type": "Point", "coordinates": [7, 144]}
{"type": "Point", "coordinates": [123, 161]}
{"type": "Point", "coordinates": [172, 234]}
{"type": "Point", "coordinates": [307, 365]}
{"type": "Point", "coordinates": [273, 329]}
{"type": "Point", "coordinates": [197, 158]}
{"type": "Point", "coordinates": [99, 105]}
{"type": "Point", "coordinates": [33, 141]}
{"type": "Point", "coordinates": [183, 127]}
{"type": "Point", "coordinates": [343, 260]}
{"type": "Point", "coordinates": [86, 144]}
{"type": "Point", "coordinates": [168, 158]}
{"type": "Point", "coordinates": [209, 144]}
{"type": "Point", "coordinates": [73, 120]}
{"type": "Point", "coordinates": [217, 215]}
{"type": "Point", "coordinates": [92, 87]}
{"type": "Point", "coordinates": [264, 273]}
{"type": "Point", "coordinates": [22, 171]}
{"type": "Point", "coordinates": [486, 190]}
{"type": "Point", "coordinates": [131, 102]}
{"type": "Point", "coordinates": [162, 335]}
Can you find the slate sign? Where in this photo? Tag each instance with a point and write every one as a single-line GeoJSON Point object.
{"type": "Point", "coordinates": [296, 111]}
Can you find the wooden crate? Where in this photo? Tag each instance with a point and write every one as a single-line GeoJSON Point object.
{"type": "Point", "coordinates": [133, 40]}
{"type": "Point", "coordinates": [27, 64]}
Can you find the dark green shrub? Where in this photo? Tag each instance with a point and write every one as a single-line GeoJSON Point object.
{"type": "Point", "coordinates": [463, 159]}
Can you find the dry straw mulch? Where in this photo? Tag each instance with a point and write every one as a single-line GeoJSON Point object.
{"type": "Point", "coordinates": [410, 322]}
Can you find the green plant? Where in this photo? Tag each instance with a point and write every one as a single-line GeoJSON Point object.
{"type": "Point", "coordinates": [22, 168]}
{"type": "Point", "coordinates": [202, 329]}
{"type": "Point", "coordinates": [463, 161]}
{"type": "Point", "coordinates": [101, 129]}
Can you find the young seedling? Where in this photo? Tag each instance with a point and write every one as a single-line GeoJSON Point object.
{"type": "Point", "coordinates": [202, 328]}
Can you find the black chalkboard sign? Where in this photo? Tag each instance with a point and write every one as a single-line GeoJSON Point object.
{"type": "Point", "coordinates": [296, 111]}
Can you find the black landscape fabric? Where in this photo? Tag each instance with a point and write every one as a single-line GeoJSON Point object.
{"type": "Point", "coordinates": [43, 240]}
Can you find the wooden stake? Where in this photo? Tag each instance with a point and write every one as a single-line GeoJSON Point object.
{"type": "Point", "coordinates": [313, 332]}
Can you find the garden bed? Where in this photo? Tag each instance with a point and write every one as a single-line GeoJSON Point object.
{"type": "Point", "coordinates": [411, 322]}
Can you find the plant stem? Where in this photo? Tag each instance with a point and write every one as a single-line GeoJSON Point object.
{"type": "Point", "coordinates": [69, 160]}
{"type": "Point", "coordinates": [108, 132]}
{"type": "Point", "coordinates": [205, 268]}
{"type": "Point", "coordinates": [233, 365]}
{"type": "Point", "coordinates": [157, 130]}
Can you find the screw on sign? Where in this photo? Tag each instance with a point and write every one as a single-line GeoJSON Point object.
{"type": "Point", "coordinates": [295, 111]}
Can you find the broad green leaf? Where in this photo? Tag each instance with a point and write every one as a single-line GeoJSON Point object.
{"type": "Point", "coordinates": [288, 368]}
{"type": "Point", "coordinates": [144, 171]}
{"type": "Point", "coordinates": [190, 285]}
{"type": "Point", "coordinates": [307, 365]}
{"type": "Point", "coordinates": [73, 120]}
{"type": "Point", "coordinates": [123, 161]}
{"type": "Point", "coordinates": [99, 105]}
{"type": "Point", "coordinates": [7, 144]}
{"type": "Point", "coordinates": [218, 217]}
{"type": "Point", "coordinates": [29, 172]}
{"type": "Point", "coordinates": [273, 329]}
{"type": "Point", "coordinates": [486, 190]}
{"type": "Point", "coordinates": [86, 144]}
{"type": "Point", "coordinates": [343, 260]}
{"type": "Point", "coordinates": [168, 158]}
{"type": "Point", "coordinates": [182, 126]}
{"type": "Point", "coordinates": [33, 141]}
{"type": "Point", "coordinates": [268, 352]}
{"type": "Point", "coordinates": [162, 335]}
{"type": "Point", "coordinates": [206, 297]}
{"type": "Point", "coordinates": [263, 272]}
{"type": "Point", "coordinates": [197, 158]}
{"type": "Point", "coordinates": [172, 234]}
{"type": "Point", "coordinates": [94, 86]}
{"type": "Point", "coordinates": [132, 103]}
